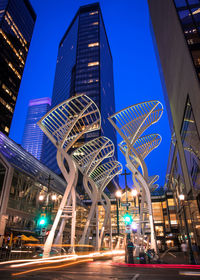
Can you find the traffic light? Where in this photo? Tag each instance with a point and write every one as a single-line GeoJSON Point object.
{"type": "Point", "coordinates": [127, 219]}
{"type": "Point", "coordinates": [42, 220]}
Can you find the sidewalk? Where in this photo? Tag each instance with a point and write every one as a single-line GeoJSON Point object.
{"type": "Point", "coordinates": [176, 258]}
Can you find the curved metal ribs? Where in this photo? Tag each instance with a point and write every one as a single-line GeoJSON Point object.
{"type": "Point", "coordinates": [64, 125]}
{"type": "Point", "coordinates": [102, 175]}
{"type": "Point", "coordinates": [90, 155]}
{"type": "Point", "coordinates": [68, 121]}
{"type": "Point", "coordinates": [131, 123]}
{"type": "Point", "coordinates": [141, 148]}
{"type": "Point", "coordinates": [87, 158]}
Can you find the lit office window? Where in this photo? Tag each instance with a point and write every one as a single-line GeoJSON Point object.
{"type": "Point", "coordinates": [93, 63]}
{"type": "Point", "coordinates": [96, 44]}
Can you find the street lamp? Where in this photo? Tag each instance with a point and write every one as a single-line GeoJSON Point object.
{"type": "Point", "coordinates": [182, 200]}
{"type": "Point", "coordinates": [134, 192]}
{"type": "Point", "coordinates": [181, 197]}
{"type": "Point", "coordinates": [41, 197]}
{"type": "Point", "coordinates": [118, 195]}
{"type": "Point", "coordinates": [53, 197]}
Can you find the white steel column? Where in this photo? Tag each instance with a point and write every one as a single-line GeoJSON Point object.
{"type": "Point", "coordinates": [73, 225]}
{"type": "Point", "coordinates": [131, 123]}
{"type": "Point", "coordinates": [64, 125]}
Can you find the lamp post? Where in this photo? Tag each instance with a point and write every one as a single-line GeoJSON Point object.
{"type": "Point", "coordinates": [134, 194]}
{"type": "Point", "coordinates": [191, 255]}
{"type": "Point", "coordinates": [126, 186]}
{"type": "Point", "coordinates": [118, 195]}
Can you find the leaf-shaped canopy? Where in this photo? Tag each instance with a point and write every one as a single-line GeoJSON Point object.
{"type": "Point", "coordinates": [132, 121]}
{"type": "Point", "coordinates": [66, 122]}
{"type": "Point", "coordinates": [141, 148]}
{"type": "Point", "coordinates": [104, 173]}
{"type": "Point", "coordinates": [91, 154]}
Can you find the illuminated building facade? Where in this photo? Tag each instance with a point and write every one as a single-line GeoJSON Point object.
{"type": "Point", "coordinates": [23, 179]}
{"type": "Point", "coordinates": [164, 216]}
{"type": "Point", "coordinates": [17, 20]}
{"type": "Point", "coordinates": [84, 65]}
{"type": "Point", "coordinates": [175, 29]}
{"type": "Point", "coordinates": [33, 138]}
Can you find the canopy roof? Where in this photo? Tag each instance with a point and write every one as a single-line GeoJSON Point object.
{"type": "Point", "coordinates": [21, 160]}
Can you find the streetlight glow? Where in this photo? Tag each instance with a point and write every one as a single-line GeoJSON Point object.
{"type": "Point", "coordinates": [41, 197]}
{"type": "Point", "coordinates": [54, 197]}
{"type": "Point", "coordinates": [181, 197]}
{"type": "Point", "coordinates": [134, 192]}
{"type": "Point", "coordinates": [118, 193]}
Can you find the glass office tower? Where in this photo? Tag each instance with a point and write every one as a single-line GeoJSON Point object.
{"type": "Point", "coordinates": [17, 20]}
{"type": "Point", "coordinates": [33, 138]}
{"type": "Point", "coordinates": [84, 65]}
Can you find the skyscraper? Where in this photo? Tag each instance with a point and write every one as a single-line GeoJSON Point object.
{"type": "Point", "coordinates": [84, 65]}
{"type": "Point", "coordinates": [176, 35]}
{"type": "Point", "coordinates": [17, 20]}
{"type": "Point", "coordinates": [33, 138]}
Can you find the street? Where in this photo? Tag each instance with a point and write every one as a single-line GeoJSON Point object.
{"type": "Point", "coordinates": [100, 270]}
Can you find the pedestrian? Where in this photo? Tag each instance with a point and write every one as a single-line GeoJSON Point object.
{"type": "Point", "coordinates": [184, 250]}
{"type": "Point", "coordinates": [195, 250]}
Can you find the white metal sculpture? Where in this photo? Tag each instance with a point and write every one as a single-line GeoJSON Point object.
{"type": "Point", "coordinates": [131, 123]}
{"type": "Point", "coordinates": [151, 183]}
{"type": "Point", "coordinates": [140, 150]}
{"type": "Point", "coordinates": [101, 176]}
{"type": "Point", "coordinates": [64, 125]}
{"type": "Point", "coordinates": [87, 158]}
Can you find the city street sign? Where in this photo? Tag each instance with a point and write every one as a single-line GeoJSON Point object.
{"type": "Point", "coordinates": [125, 204]}
{"type": "Point", "coordinates": [43, 232]}
{"type": "Point", "coordinates": [128, 229]}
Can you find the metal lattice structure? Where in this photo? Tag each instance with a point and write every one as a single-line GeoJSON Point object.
{"type": "Point", "coordinates": [90, 155]}
{"type": "Point", "coordinates": [64, 125]}
{"type": "Point", "coordinates": [131, 123]}
{"type": "Point", "coordinates": [68, 121]}
{"type": "Point", "coordinates": [151, 183]}
{"type": "Point", "coordinates": [140, 149]}
{"type": "Point", "coordinates": [152, 179]}
{"type": "Point", "coordinates": [87, 158]}
{"type": "Point", "coordinates": [101, 176]}
{"type": "Point", "coordinates": [134, 120]}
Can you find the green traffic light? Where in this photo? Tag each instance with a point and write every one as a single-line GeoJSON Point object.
{"type": "Point", "coordinates": [127, 218]}
{"type": "Point", "coordinates": [42, 222]}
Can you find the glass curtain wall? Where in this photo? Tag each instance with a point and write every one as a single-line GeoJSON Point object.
{"type": "Point", "coordinates": [189, 15]}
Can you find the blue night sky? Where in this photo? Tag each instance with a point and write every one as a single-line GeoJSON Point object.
{"type": "Point", "coordinates": [136, 76]}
